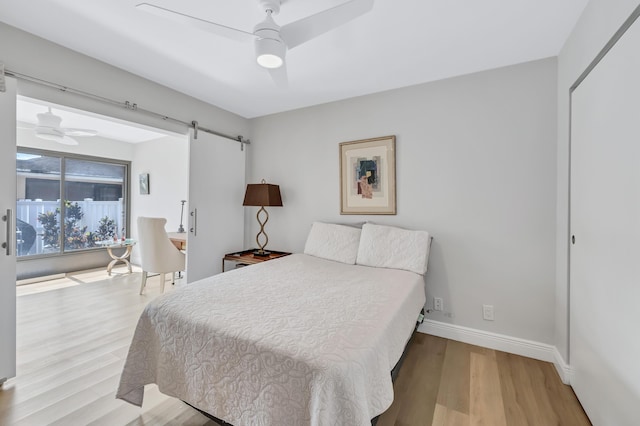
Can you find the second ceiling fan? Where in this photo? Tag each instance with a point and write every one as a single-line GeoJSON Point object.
{"type": "Point", "coordinates": [49, 127]}
{"type": "Point", "coordinates": [271, 40]}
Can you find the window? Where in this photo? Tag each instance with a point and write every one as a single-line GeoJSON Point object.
{"type": "Point", "coordinates": [89, 193]}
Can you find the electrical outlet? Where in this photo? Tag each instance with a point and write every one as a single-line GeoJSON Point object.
{"type": "Point", "coordinates": [487, 312]}
{"type": "Point", "coordinates": [437, 303]}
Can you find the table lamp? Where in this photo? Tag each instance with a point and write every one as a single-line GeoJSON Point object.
{"type": "Point", "coordinates": [261, 195]}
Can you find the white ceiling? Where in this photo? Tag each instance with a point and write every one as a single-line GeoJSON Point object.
{"type": "Point", "coordinates": [399, 43]}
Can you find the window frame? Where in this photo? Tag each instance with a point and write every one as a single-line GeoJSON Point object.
{"type": "Point", "coordinates": [126, 196]}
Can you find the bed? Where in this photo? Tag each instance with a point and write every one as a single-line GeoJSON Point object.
{"type": "Point", "coordinates": [300, 340]}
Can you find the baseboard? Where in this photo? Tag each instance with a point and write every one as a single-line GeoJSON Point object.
{"type": "Point", "coordinates": [564, 370]}
{"type": "Point", "coordinates": [40, 279]}
{"type": "Point", "coordinates": [501, 342]}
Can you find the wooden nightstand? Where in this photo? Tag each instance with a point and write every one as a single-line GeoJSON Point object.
{"type": "Point", "coordinates": [247, 257]}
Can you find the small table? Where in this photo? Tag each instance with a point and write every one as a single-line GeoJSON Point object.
{"type": "Point", "coordinates": [110, 245]}
{"type": "Point", "coordinates": [248, 258]}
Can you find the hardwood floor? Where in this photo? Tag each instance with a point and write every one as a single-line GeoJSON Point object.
{"type": "Point", "coordinates": [73, 337]}
{"type": "Point", "coordinates": [74, 333]}
{"type": "Point", "coordinates": [444, 382]}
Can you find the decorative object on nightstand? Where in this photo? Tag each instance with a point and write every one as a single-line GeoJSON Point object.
{"type": "Point", "coordinates": [181, 227]}
{"type": "Point", "coordinates": [262, 195]}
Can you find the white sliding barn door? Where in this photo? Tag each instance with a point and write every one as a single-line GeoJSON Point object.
{"type": "Point", "coordinates": [216, 192]}
{"type": "Point", "coordinates": [8, 230]}
{"type": "Point", "coordinates": [605, 221]}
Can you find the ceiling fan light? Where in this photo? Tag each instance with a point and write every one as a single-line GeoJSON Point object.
{"type": "Point", "coordinates": [270, 61]}
{"type": "Point", "coordinates": [270, 53]}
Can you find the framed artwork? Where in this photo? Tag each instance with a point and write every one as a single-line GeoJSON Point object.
{"type": "Point", "coordinates": [368, 176]}
{"type": "Point", "coordinates": [144, 183]}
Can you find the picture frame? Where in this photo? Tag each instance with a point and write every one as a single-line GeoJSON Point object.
{"type": "Point", "coordinates": [368, 176]}
{"type": "Point", "coordinates": [144, 183]}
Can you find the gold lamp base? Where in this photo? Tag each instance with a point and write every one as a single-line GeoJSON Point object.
{"type": "Point", "coordinates": [261, 251]}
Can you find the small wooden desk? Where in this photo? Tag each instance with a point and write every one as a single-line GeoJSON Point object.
{"type": "Point", "coordinates": [248, 258]}
{"type": "Point", "coordinates": [179, 239]}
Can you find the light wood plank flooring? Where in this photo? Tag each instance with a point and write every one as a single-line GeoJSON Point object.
{"type": "Point", "coordinates": [74, 333]}
{"type": "Point", "coordinates": [444, 382]}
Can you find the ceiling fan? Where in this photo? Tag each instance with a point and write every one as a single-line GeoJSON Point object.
{"type": "Point", "coordinates": [48, 127]}
{"type": "Point", "coordinates": [271, 40]}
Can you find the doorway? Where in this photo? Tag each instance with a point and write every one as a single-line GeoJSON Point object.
{"type": "Point", "coordinates": [77, 184]}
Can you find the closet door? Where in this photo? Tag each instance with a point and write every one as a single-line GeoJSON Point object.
{"type": "Point", "coordinates": [216, 192]}
{"type": "Point", "coordinates": [8, 230]}
{"type": "Point", "coordinates": [605, 222]}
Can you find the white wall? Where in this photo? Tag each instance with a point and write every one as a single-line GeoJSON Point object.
{"type": "Point", "coordinates": [476, 167]}
{"type": "Point", "coordinates": [598, 23]}
{"type": "Point", "coordinates": [167, 162]}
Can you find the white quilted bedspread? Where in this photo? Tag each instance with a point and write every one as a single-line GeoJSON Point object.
{"type": "Point", "coordinates": [294, 341]}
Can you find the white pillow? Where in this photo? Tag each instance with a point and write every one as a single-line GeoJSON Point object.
{"type": "Point", "coordinates": [333, 242]}
{"type": "Point", "coordinates": [390, 247]}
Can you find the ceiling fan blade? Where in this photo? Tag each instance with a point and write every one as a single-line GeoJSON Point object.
{"type": "Point", "coordinates": [279, 76]}
{"type": "Point", "coordinates": [48, 130]}
{"type": "Point", "coordinates": [303, 30]}
{"type": "Point", "coordinates": [79, 132]}
{"type": "Point", "coordinates": [25, 125]}
{"type": "Point", "coordinates": [55, 135]}
{"type": "Point", "coordinates": [212, 27]}
{"type": "Point", "coordinates": [66, 140]}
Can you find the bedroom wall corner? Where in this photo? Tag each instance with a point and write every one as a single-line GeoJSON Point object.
{"type": "Point", "coordinates": [513, 345]}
